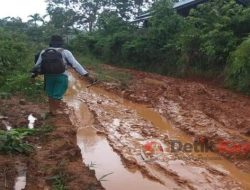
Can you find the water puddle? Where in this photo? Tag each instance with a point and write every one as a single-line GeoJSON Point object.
{"type": "Point", "coordinates": [237, 133]}
{"type": "Point", "coordinates": [109, 168]}
{"type": "Point", "coordinates": [98, 154]}
{"type": "Point", "coordinates": [20, 181]}
{"type": "Point", "coordinates": [213, 159]}
{"type": "Point", "coordinates": [161, 123]}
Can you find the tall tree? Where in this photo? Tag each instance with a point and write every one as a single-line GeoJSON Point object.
{"type": "Point", "coordinates": [13, 23]}
{"type": "Point", "coordinates": [88, 11]}
{"type": "Point", "coordinates": [125, 9]}
{"type": "Point", "coordinates": [82, 13]}
{"type": "Point", "coordinates": [35, 18]}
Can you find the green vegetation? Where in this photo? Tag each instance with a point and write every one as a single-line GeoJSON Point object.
{"type": "Point", "coordinates": [209, 42]}
{"type": "Point", "coordinates": [91, 166]}
{"type": "Point", "coordinates": [102, 73]}
{"type": "Point", "coordinates": [103, 178]}
{"type": "Point", "coordinates": [14, 140]}
{"type": "Point", "coordinates": [16, 54]}
{"type": "Point", "coordinates": [199, 44]}
{"type": "Point", "coordinates": [59, 181]}
{"type": "Point", "coordinates": [238, 71]}
{"type": "Point", "coordinates": [110, 75]}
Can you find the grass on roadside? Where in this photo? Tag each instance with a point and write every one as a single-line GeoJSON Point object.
{"type": "Point", "coordinates": [105, 74]}
{"type": "Point", "coordinates": [103, 178]}
{"type": "Point", "coordinates": [14, 140]}
{"type": "Point", "coordinates": [59, 181]}
{"type": "Point", "coordinates": [17, 80]}
{"type": "Point", "coordinates": [21, 83]}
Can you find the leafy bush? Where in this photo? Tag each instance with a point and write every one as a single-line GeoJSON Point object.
{"type": "Point", "coordinates": [199, 44]}
{"type": "Point", "coordinates": [238, 71]}
{"type": "Point", "coordinates": [16, 61]}
{"type": "Point", "coordinates": [13, 50]}
{"type": "Point", "coordinates": [21, 83]}
{"type": "Point", "coordinates": [13, 141]}
{"type": "Point", "coordinates": [209, 36]}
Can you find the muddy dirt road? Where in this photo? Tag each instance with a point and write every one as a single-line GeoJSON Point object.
{"type": "Point", "coordinates": [55, 161]}
{"type": "Point", "coordinates": [116, 134]}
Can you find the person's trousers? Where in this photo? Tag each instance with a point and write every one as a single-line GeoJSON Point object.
{"type": "Point", "coordinates": [55, 85]}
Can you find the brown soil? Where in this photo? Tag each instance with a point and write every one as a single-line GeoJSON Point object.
{"type": "Point", "coordinates": [202, 109]}
{"type": "Point", "coordinates": [127, 126]}
{"type": "Point", "coordinates": [56, 153]}
{"type": "Point", "coordinates": [7, 172]}
{"type": "Point", "coordinates": [206, 112]}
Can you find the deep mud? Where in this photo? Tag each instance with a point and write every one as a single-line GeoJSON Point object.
{"type": "Point", "coordinates": [13, 114]}
{"type": "Point", "coordinates": [99, 155]}
{"type": "Point", "coordinates": [128, 126]}
{"type": "Point", "coordinates": [201, 109]}
{"type": "Point", "coordinates": [59, 155]}
{"type": "Point", "coordinates": [56, 154]}
{"type": "Point", "coordinates": [115, 123]}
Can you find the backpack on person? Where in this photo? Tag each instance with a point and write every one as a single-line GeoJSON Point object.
{"type": "Point", "coordinates": [52, 62]}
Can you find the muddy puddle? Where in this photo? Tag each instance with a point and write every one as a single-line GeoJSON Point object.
{"type": "Point", "coordinates": [124, 127]}
{"type": "Point", "coordinates": [213, 159]}
{"type": "Point", "coordinates": [20, 181]}
{"type": "Point", "coordinates": [99, 155]}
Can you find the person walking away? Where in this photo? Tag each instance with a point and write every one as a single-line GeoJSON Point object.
{"type": "Point", "coordinates": [53, 63]}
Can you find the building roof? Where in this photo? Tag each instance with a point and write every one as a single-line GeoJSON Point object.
{"type": "Point", "coordinates": [182, 7]}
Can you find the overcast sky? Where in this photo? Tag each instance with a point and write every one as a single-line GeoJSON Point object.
{"type": "Point", "coordinates": [21, 8]}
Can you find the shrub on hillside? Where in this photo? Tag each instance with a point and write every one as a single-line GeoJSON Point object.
{"type": "Point", "coordinates": [238, 71]}
{"type": "Point", "coordinates": [13, 50]}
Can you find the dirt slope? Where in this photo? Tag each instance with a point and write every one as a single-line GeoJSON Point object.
{"type": "Point", "coordinates": [56, 160]}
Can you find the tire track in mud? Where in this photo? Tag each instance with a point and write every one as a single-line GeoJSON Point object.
{"type": "Point", "coordinates": [198, 124]}
{"type": "Point", "coordinates": [102, 153]}
{"type": "Point", "coordinates": [200, 110]}
{"type": "Point", "coordinates": [126, 132]}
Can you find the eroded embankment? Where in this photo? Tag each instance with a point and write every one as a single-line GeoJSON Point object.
{"type": "Point", "coordinates": [59, 158]}
{"type": "Point", "coordinates": [127, 127]}
{"type": "Point", "coordinates": [14, 112]}
{"type": "Point", "coordinates": [56, 160]}
{"type": "Point", "coordinates": [7, 172]}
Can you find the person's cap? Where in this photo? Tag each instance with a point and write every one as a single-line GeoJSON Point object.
{"type": "Point", "coordinates": [56, 40]}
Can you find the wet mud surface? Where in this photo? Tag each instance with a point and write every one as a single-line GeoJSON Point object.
{"type": "Point", "coordinates": [200, 109]}
{"type": "Point", "coordinates": [105, 119]}
{"type": "Point", "coordinates": [56, 153]}
{"type": "Point", "coordinates": [13, 114]}
{"type": "Point", "coordinates": [59, 155]}
{"type": "Point", "coordinates": [7, 172]}
{"type": "Point", "coordinates": [125, 134]}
